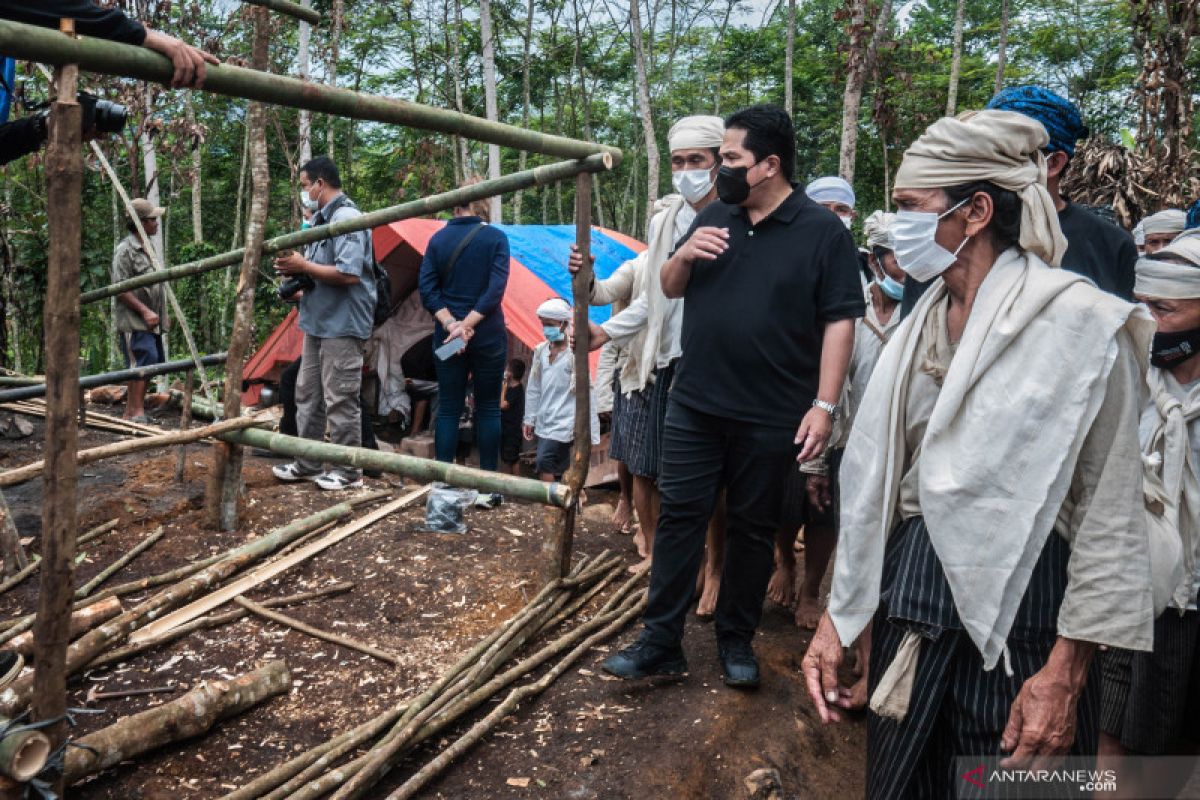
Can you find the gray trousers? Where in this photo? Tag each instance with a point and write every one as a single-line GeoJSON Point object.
{"type": "Point", "coordinates": [327, 391]}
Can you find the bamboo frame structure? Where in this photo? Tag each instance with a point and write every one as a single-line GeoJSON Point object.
{"type": "Point", "coordinates": [32, 43]}
{"type": "Point", "coordinates": [118, 376]}
{"type": "Point", "coordinates": [538, 176]}
{"type": "Point", "coordinates": [289, 9]}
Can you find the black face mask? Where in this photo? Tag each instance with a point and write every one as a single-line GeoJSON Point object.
{"type": "Point", "coordinates": [1171, 349]}
{"type": "Point", "coordinates": [732, 186]}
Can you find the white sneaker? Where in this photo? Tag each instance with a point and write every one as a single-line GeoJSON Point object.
{"type": "Point", "coordinates": [291, 472]}
{"type": "Point", "coordinates": [336, 481]}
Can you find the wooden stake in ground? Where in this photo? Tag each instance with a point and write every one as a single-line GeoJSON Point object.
{"type": "Point", "coordinates": [191, 715]}
{"type": "Point", "coordinates": [225, 483]}
{"type": "Point", "coordinates": [185, 422]}
{"type": "Point", "coordinates": [15, 560]}
{"type": "Point", "coordinates": [64, 182]}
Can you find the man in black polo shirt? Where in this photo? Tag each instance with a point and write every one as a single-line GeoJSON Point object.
{"type": "Point", "coordinates": [770, 286]}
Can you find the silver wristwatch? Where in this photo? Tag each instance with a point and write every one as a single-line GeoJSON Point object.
{"type": "Point", "coordinates": [828, 408]}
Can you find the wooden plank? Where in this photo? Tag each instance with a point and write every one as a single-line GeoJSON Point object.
{"type": "Point", "coordinates": [268, 571]}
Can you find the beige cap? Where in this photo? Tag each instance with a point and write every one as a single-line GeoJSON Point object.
{"type": "Point", "coordinates": [145, 209]}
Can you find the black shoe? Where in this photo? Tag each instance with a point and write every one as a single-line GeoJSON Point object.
{"type": "Point", "coordinates": [373, 473]}
{"type": "Point", "coordinates": [739, 665]}
{"type": "Point", "coordinates": [643, 659]}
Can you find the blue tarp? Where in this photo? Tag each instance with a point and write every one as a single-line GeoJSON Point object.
{"type": "Point", "coordinates": [8, 70]}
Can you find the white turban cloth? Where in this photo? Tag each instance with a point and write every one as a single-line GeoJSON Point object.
{"type": "Point", "coordinates": [555, 309]}
{"type": "Point", "coordinates": [1161, 276]}
{"type": "Point", "coordinates": [696, 132]}
{"type": "Point", "coordinates": [1172, 220]}
{"type": "Point", "coordinates": [1002, 147]}
{"type": "Point", "coordinates": [878, 230]}
{"type": "Point", "coordinates": [831, 189]}
{"type": "Point", "coordinates": [1139, 235]}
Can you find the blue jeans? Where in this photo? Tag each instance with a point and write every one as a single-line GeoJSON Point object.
{"type": "Point", "coordinates": [484, 366]}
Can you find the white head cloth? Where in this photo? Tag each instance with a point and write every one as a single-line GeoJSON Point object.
{"type": "Point", "coordinates": [878, 230]}
{"type": "Point", "coordinates": [1170, 220]}
{"type": "Point", "coordinates": [555, 309]}
{"type": "Point", "coordinates": [1003, 147]}
{"type": "Point", "coordinates": [1160, 275]}
{"type": "Point", "coordinates": [1139, 234]}
{"type": "Point", "coordinates": [831, 189]}
{"type": "Point", "coordinates": [697, 131]}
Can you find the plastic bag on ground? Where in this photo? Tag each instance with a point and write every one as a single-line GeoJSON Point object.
{"type": "Point", "coordinates": [444, 508]}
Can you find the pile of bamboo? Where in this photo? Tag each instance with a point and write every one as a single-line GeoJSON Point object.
{"type": "Point", "coordinates": [475, 679]}
{"type": "Point", "coordinates": [102, 422]}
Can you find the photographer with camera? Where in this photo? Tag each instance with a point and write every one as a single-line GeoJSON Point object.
{"type": "Point", "coordinates": [23, 136]}
{"type": "Point", "coordinates": [140, 312]}
{"type": "Point", "coordinates": [336, 314]}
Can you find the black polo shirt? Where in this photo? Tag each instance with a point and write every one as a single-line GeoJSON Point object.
{"type": "Point", "coordinates": [1099, 250]}
{"type": "Point", "coordinates": [754, 319]}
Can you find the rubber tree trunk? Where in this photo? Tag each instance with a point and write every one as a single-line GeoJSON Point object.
{"type": "Point", "coordinates": [302, 67]}
{"type": "Point", "coordinates": [789, 55]}
{"type": "Point", "coordinates": [856, 73]}
{"type": "Point", "coordinates": [522, 159]}
{"type": "Point", "coordinates": [643, 104]}
{"type": "Point", "coordinates": [64, 182]}
{"type": "Point", "coordinates": [226, 478]}
{"type": "Point", "coordinates": [1002, 47]}
{"type": "Point", "coordinates": [491, 107]}
{"type": "Point", "coordinates": [334, 45]}
{"type": "Point", "coordinates": [197, 173]}
{"type": "Point", "coordinates": [956, 60]}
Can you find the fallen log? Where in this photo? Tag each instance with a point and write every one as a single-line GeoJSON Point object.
{"type": "Point", "coordinates": [213, 621]}
{"type": "Point", "coordinates": [84, 650]}
{"type": "Point", "coordinates": [22, 474]}
{"type": "Point", "coordinates": [82, 620]}
{"type": "Point", "coordinates": [116, 566]}
{"type": "Point", "coordinates": [341, 641]}
{"type": "Point", "coordinates": [191, 715]}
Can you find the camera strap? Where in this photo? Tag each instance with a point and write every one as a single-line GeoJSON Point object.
{"type": "Point", "coordinates": [446, 271]}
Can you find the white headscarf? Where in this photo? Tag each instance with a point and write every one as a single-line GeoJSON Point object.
{"type": "Point", "coordinates": [1170, 220]}
{"type": "Point", "coordinates": [1159, 277]}
{"type": "Point", "coordinates": [878, 230]}
{"type": "Point", "coordinates": [555, 309]}
{"type": "Point", "coordinates": [1139, 234]}
{"type": "Point", "coordinates": [830, 189]}
{"type": "Point", "coordinates": [698, 131]}
{"type": "Point", "coordinates": [1002, 147]}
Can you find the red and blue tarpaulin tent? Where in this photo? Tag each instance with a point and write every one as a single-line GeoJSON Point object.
{"type": "Point", "coordinates": [537, 272]}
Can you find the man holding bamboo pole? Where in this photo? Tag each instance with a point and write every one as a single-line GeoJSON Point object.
{"type": "Point", "coordinates": [140, 313]}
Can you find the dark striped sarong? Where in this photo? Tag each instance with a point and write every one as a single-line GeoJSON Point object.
{"type": "Point", "coordinates": [957, 707]}
{"type": "Point", "coordinates": [638, 421]}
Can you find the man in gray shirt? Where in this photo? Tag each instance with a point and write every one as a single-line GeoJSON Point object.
{"type": "Point", "coordinates": [336, 315]}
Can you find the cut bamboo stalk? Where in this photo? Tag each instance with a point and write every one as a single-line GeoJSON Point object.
{"type": "Point", "coordinates": [95, 420]}
{"type": "Point", "coordinates": [23, 754]}
{"type": "Point", "coordinates": [268, 571]}
{"type": "Point", "coordinates": [21, 474]}
{"type": "Point", "coordinates": [32, 43]}
{"type": "Point", "coordinates": [83, 619]}
{"type": "Point", "coordinates": [191, 715]}
{"type": "Point", "coordinates": [213, 621]}
{"type": "Point", "coordinates": [296, 240]}
{"type": "Point", "coordinates": [291, 622]}
{"type": "Point", "coordinates": [120, 563]}
{"type": "Point", "coordinates": [290, 9]}
{"type": "Point", "coordinates": [118, 376]}
{"type": "Point", "coordinates": [84, 650]}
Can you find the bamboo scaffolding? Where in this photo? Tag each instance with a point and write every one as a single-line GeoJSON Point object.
{"type": "Point", "coordinates": [29, 42]}
{"type": "Point", "coordinates": [317, 633]}
{"type": "Point", "coordinates": [119, 376]}
{"type": "Point", "coordinates": [289, 9]}
{"type": "Point", "coordinates": [21, 474]}
{"type": "Point", "coordinates": [539, 176]}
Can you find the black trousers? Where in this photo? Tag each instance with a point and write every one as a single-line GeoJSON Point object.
{"type": "Point", "coordinates": [287, 395]}
{"type": "Point", "coordinates": [702, 454]}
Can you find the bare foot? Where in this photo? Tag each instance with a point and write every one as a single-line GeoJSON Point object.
{"type": "Point", "coordinates": [780, 590]}
{"type": "Point", "coordinates": [639, 541]}
{"type": "Point", "coordinates": [808, 612]}
{"type": "Point", "coordinates": [641, 566]}
{"type": "Point", "coordinates": [707, 607]}
{"type": "Point", "coordinates": [623, 516]}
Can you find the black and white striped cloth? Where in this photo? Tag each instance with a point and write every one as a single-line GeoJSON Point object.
{"type": "Point", "coordinates": [638, 419]}
{"type": "Point", "coordinates": [957, 707]}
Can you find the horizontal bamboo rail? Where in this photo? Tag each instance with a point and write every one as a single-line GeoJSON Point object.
{"type": "Point", "coordinates": [539, 176]}
{"type": "Point", "coordinates": [120, 376]}
{"type": "Point", "coordinates": [289, 9]}
{"type": "Point", "coordinates": [32, 43]}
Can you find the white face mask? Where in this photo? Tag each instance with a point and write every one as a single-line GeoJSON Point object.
{"type": "Point", "coordinates": [917, 253]}
{"type": "Point", "coordinates": [846, 220]}
{"type": "Point", "coordinates": [693, 184]}
{"type": "Point", "coordinates": [306, 201]}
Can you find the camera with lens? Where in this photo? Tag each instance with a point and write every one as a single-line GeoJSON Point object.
{"type": "Point", "coordinates": [104, 116]}
{"type": "Point", "coordinates": [294, 285]}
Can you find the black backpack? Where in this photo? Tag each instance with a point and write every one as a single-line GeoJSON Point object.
{"type": "Point", "coordinates": [383, 283]}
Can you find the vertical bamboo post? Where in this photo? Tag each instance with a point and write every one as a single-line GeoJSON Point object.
{"type": "Point", "coordinates": [64, 181]}
{"type": "Point", "coordinates": [561, 540]}
{"type": "Point", "coordinates": [185, 422]}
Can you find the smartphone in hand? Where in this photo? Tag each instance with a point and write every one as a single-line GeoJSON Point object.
{"type": "Point", "coordinates": [450, 348]}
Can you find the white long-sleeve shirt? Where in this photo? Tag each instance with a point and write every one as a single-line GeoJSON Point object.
{"type": "Point", "coordinates": [550, 397]}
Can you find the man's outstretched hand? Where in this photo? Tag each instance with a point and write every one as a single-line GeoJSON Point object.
{"type": "Point", "coordinates": [190, 62]}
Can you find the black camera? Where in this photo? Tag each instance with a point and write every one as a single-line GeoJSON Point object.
{"type": "Point", "coordinates": [105, 115]}
{"type": "Point", "coordinates": [294, 285]}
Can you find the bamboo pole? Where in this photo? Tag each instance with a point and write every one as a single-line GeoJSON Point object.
{"type": "Point", "coordinates": [191, 715]}
{"type": "Point", "coordinates": [103, 422]}
{"type": "Point", "coordinates": [539, 176]}
{"type": "Point", "coordinates": [64, 182]}
{"type": "Point", "coordinates": [117, 376]}
{"type": "Point", "coordinates": [37, 560]}
{"type": "Point", "coordinates": [120, 563]}
{"type": "Point", "coordinates": [290, 9]}
{"type": "Point", "coordinates": [21, 474]}
{"type": "Point", "coordinates": [29, 42]}
{"type": "Point", "coordinates": [341, 641]}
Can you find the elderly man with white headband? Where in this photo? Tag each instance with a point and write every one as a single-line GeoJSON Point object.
{"type": "Point", "coordinates": [834, 193]}
{"type": "Point", "coordinates": [550, 395]}
{"type": "Point", "coordinates": [992, 530]}
{"type": "Point", "coordinates": [1149, 698]}
{"type": "Point", "coordinates": [647, 330]}
{"type": "Point", "coordinates": [1160, 229]}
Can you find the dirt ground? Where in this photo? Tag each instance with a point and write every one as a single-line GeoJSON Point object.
{"type": "Point", "coordinates": [426, 597]}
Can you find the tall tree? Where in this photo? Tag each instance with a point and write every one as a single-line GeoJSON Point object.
{"type": "Point", "coordinates": [522, 158]}
{"type": "Point", "coordinates": [1002, 46]}
{"type": "Point", "coordinates": [302, 67]}
{"type": "Point", "coordinates": [856, 73]}
{"type": "Point", "coordinates": [491, 107]}
{"type": "Point", "coordinates": [643, 102]}
{"type": "Point", "coordinates": [956, 59]}
{"type": "Point", "coordinates": [789, 56]}
{"type": "Point", "coordinates": [197, 172]}
{"type": "Point", "coordinates": [335, 40]}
